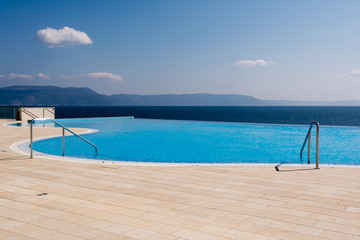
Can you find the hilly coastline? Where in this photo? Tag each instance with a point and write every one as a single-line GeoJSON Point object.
{"type": "Point", "coordinates": [57, 96]}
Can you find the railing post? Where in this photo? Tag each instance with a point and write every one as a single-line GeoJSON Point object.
{"type": "Point", "coordinates": [63, 133]}
{"type": "Point", "coordinates": [31, 138]}
{"type": "Point", "coordinates": [309, 138]}
{"type": "Point", "coordinates": [317, 146]}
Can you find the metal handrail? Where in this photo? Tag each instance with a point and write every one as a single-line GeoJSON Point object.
{"type": "Point", "coordinates": [63, 136]}
{"type": "Point", "coordinates": [34, 116]}
{"type": "Point", "coordinates": [30, 114]}
{"type": "Point", "coordinates": [307, 138]}
{"type": "Point", "coordinates": [52, 112]}
{"type": "Point", "coordinates": [49, 110]}
{"type": "Point", "coordinates": [65, 128]}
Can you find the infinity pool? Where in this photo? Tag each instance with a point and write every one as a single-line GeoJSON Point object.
{"type": "Point", "coordinates": [171, 141]}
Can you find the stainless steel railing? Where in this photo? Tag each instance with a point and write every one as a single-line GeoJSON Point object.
{"type": "Point", "coordinates": [27, 112]}
{"type": "Point", "coordinates": [65, 128]}
{"type": "Point", "coordinates": [308, 138]}
{"type": "Point", "coordinates": [63, 137]}
{"type": "Point", "coordinates": [34, 116]}
{"type": "Point", "coordinates": [52, 112]}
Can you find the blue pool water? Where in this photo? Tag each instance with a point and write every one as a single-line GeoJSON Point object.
{"type": "Point", "coordinates": [147, 140]}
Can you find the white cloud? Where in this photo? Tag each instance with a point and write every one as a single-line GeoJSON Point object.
{"type": "Point", "coordinates": [12, 76]}
{"type": "Point", "coordinates": [355, 73]}
{"type": "Point", "coordinates": [253, 63]}
{"type": "Point", "coordinates": [97, 75]}
{"type": "Point", "coordinates": [63, 37]}
{"type": "Point", "coordinates": [20, 76]}
{"type": "Point", "coordinates": [105, 75]}
{"type": "Point", "coordinates": [43, 76]}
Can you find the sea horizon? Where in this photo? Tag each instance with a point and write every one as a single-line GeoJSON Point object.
{"type": "Point", "coordinates": [325, 115]}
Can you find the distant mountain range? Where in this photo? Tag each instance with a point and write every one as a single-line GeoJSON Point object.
{"type": "Point", "coordinates": [56, 96]}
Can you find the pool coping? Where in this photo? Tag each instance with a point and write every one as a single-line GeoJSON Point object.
{"type": "Point", "coordinates": [21, 148]}
{"type": "Point", "coordinates": [16, 147]}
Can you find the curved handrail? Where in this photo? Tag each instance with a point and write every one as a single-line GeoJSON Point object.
{"type": "Point", "coordinates": [96, 149]}
{"type": "Point", "coordinates": [63, 136]}
{"type": "Point", "coordinates": [307, 138]}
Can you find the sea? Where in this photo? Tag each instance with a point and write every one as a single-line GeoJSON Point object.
{"type": "Point", "coordinates": [330, 116]}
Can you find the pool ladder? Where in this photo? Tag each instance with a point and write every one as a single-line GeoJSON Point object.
{"type": "Point", "coordinates": [63, 136]}
{"type": "Point", "coordinates": [307, 138]}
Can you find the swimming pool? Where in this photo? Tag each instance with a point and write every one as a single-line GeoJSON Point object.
{"type": "Point", "coordinates": [173, 141]}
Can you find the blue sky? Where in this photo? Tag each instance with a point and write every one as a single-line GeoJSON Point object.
{"type": "Point", "coordinates": [296, 50]}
